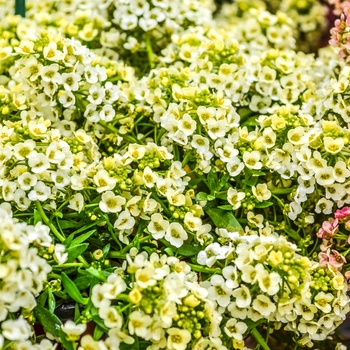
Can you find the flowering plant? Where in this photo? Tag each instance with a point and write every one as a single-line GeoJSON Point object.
{"type": "Point", "coordinates": [166, 173]}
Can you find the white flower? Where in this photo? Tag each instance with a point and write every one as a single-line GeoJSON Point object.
{"type": "Point", "coordinates": [18, 329]}
{"type": "Point", "coordinates": [187, 125]}
{"type": "Point", "coordinates": [269, 282]}
{"type": "Point", "coordinates": [219, 291]}
{"type": "Point", "coordinates": [40, 192]}
{"type": "Point", "coordinates": [230, 273]}
{"type": "Point", "coordinates": [235, 198]}
{"type": "Point", "coordinates": [149, 177]}
{"type": "Point", "coordinates": [325, 206]}
{"type": "Point", "coordinates": [243, 296]}
{"type": "Point", "coordinates": [111, 317]}
{"type": "Point", "coordinates": [176, 234]}
{"type": "Point", "coordinates": [322, 301]}
{"type": "Point", "coordinates": [263, 305]}
{"type": "Point", "coordinates": [324, 176]}
{"type": "Point", "coordinates": [158, 226]}
{"type": "Point", "coordinates": [72, 330]}
{"type": "Point", "coordinates": [77, 202]}
{"type": "Point", "coordinates": [125, 221]}
{"type": "Point", "coordinates": [252, 160]}
{"type": "Point", "coordinates": [110, 203]}
{"type": "Point", "coordinates": [38, 163]}
{"type": "Point", "coordinates": [139, 323]}
{"type": "Point", "coordinates": [333, 146]}
{"type": "Point", "coordinates": [191, 222]}
{"type": "Point", "coordinates": [59, 254]}
{"type": "Point", "coordinates": [178, 339]}
{"type": "Point", "coordinates": [235, 329]}
{"type": "Point", "coordinates": [103, 181]}
{"type": "Point", "coordinates": [340, 171]}
{"type": "Point", "coordinates": [212, 252]}
{"type": "Point", "coordinates": [261, 192]}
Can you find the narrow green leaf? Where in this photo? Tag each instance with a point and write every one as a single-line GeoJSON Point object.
{"type": "Point", "coordinates": [254, 332]}
{"type": "Point", "coordinates": [188, 250]}
{"type": "Point", "coordinates": [65, 224]}
{"type": "Point", "coordinates": [51, 301]}
{"type": "Point", "coordinates": [75, 251]}
{"type": "Point", "coordinates": [257, 172]}
{"type": "Point", "coordinates": [224, 219]}
{"type": "Point", "coordinates": [106, 250]}
{"type": "Point", "coordinates": [49, 320]}
{"type": "Point", "coordinates": [72, 290]}
{"type": "Point", "coordinates": [42, 298]}
{"type": "Point", "coordinates": [98, 332]}
{"type": "Point", "coordinates": [37, 217]}
{"type": "Point", "coordinates": [225, 207]}
{"type": "Point", "coordinates": [82, 282]}
{"type": "Point", "coordinates": [264, 204]}
{"type": "Point", "coordinates": [67, 242]}
{"type": "Point", "coordinates": [101, 275]}
{"type": "Point", "coordinates": [201, 196]}
{"type": "Point", "coordinates": [82, 238]}
{"type": "Point", "coordinates": [223, 181]}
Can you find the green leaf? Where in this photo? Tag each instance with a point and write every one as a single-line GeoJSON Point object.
{"type": "Point", "coordinates": [188, 250]}
{"type": "Point", "coordinates": [106, 250]}
{"type": "Point", "coordinates": [101, 275]}
{"type": "Point", "coordinates": [254, 332]}
{"type": "Point", "coordinates": [51, 301]}
{"type": "Point", "coordinates": [75, 251]}
{"type": "Point", "coordinates": [223, 181]}
{"type": "Point", "coordinates": [72, 290]}
{"type": "Point", "coordinates": [264, 204]}
{"type": "Point", "coordinates": [251, 181]}
{"type": "Point", "coordinates": [82, 282]}
{"type": "Point", "coordinates": [225, 207]}
{"type": "Point", "coordinates": [66, 344]}
{"type": "Point", "coordinates": [201, 196]}
{"type": "Point", "coordinates": [65, 224]}
{"type": "Point", "coordinates": [37, 217]}
{"type": "Point", "coordinates": [49, 320]}
{"type": "Point", "coordinates": [82, 238]}
{"type": "Point", "coordinates": [224, 219]}
{"type": "Point", "coordinates": [250, 122]}
{"type": "Point", "coordinates": [68, 240]}
{"type": "Point", "coordinates": [169, 251]}
{"type": "Point", "coordinates": [43, 297]}
{"type": "Point", "coordinates": [98, 320]}
{"type": "Point", "coordinates": [257, 172]}
{"type": "Point", "coordinates": [98, 332]}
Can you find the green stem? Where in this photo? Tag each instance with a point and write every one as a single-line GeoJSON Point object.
{"type": "Point", "coordinates": [150, 53]}
{"type": "Point", "coordinates": [68, 265]}
{"type": "Point", "coordinates": [54, 229]}
{"type": "Point", "coordinates": [187, 157]}
{"type": "Point", "coordinates": [204, 269]}
{"type": "Point", "coordinates": [48, 222]}
{"type": "Point", "coordinates": [114, 130]}
{"type": "Point", "coordinates": [259, 339]}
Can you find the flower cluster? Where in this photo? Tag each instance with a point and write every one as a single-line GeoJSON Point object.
{"type": "Point", "coordinates": [166, 176]}
{"type": "Point", "coordinates": [24, 270]}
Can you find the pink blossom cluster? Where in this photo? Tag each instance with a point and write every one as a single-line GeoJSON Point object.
{"type": "Point", "coordinates": [333, 238]}
{"type": "Point", "coordinates": [340, 33]}
{"type": "Point", "coordinates": [339, 6]}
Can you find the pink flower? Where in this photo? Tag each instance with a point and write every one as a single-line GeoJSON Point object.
{"type": "Point", "coordinates": [324, 258]}
{"type": "Point", "coordinates": [347, 275]}
{"type": "Point", "coordinates": [328, 229]}
{"type": "Point", "coordinates": [343, 213]}
{"type": "Point", "coordinates": [336, 260]}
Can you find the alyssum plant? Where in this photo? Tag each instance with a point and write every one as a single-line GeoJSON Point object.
{"type": "Point", "coordinates": [181, 179]}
